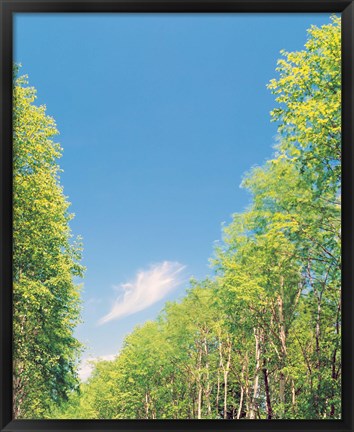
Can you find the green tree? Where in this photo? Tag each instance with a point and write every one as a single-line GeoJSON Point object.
{"type": "Point", "coordinates": [46, 301]}
{"type": "Point", "coordinates": [282, 256]}
{"type": "Point", "coordinates": [309, 93]}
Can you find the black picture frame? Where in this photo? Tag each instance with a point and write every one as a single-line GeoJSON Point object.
{"type": "Point", "coordinates": [8, 8]}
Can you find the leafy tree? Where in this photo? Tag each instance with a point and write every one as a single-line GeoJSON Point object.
{"type": "Point", "coordinates": [309, 93]}
{"type": "Point", "coordinates": [46, 301]}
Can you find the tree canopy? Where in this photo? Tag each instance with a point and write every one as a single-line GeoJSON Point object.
{"type": "Point", "coordinates": [46, 299]}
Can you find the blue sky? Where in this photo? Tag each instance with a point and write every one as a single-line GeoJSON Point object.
{"type": "Point", "coordinates": [159, 117]}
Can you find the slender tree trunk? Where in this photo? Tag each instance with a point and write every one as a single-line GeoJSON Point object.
{"type": "Point", "coordinates": [200, 393]}
{"type": "Point", "coordinates": [199, 385]}
{"type": "Point", "coordinates": [221, 363]}
{"type": "Point", "coordinates": [318, 334]}
{"type": "Point", "coordinates": [282, 337]}
{"type": "Point", "coordinates": [293, 397]}
{"type": "Point", "coordinates": [207, 378]}
{"type": "Point", "coordinates": [146, 405]}
{"type": "Point", "coordinates": [225, 367]}
{"type": "Point", "coordinates": [282, 392]}
{"type": "Point", "coordinates": [334, 358]}
{"type": "Point", "coordinates": [218, 391]}
{"type": "Point", "coordinates": [242, 391]}
{"type": "Point", "coordinates": [18, 393]}
{"type": "Point", "coordinates": [226, 373]}
{"type": "Point", "coordinates": [256, 375]}
{"type": "Point", "coordinates": [318, 353]}
{"type": "Point", "coordinates": [193, 406]}
{"type": "Point", "coordinates": [225, 394]}
{"type": "Point", "coordinates": [267, 391]}
{"type": "Point", "coordinates": [248, 400]}
{"type": "Point", "coordinates": [240, 405]}
{"type": "Point", "coordinates": [317, 338]}
{"type": "Point", "coordinates": [247, 397]}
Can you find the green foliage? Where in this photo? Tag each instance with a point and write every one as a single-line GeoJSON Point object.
{"type": "Point", "coordinates": [45, 260]}
{"type": "Point", "coordinates": [262, 338]}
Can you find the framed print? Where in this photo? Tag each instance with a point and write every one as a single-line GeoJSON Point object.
{"type": "Point", "coordinates": [176, 215]}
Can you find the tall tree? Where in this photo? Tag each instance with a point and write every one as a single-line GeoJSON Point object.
{"type": "Point", "coordinates": [46, 301]}
{"type": "Point", "coordinates": [309, 95]}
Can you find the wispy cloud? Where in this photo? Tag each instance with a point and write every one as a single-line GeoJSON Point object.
{"type": "Point", "coordinates": [87, 365]}
{"type": "Point", "coordinates": [148, 287]}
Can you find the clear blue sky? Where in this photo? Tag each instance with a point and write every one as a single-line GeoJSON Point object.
{"type": "Point", "coordinates": [159, 117]}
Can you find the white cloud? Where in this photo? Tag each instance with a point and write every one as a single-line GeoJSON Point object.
{"type": "Point", "coordinates": [87, 365]}
{"type": "Point", "coordinates": [148, 287]}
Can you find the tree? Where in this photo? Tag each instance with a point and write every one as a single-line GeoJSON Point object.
{"type": "Point", "coordinates": [282, 257]}
{"type": "Point", "coordinates": [46, 301]}
{"type": "Point", "coordinates": [309, 93]}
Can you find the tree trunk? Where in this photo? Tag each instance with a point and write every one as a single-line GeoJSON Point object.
{"type": "Point", "coordinates": [282, 337]}
{"type": "Point", "coordinates": [293, 397]}
{"type": "Point", "coordinates": [199, 385]}
{"type": "Point", "coordinates": [253, 406]}
{"type": "Point", "coordinates": [242, 391]}
{"type": "Point", "coordinates": [239, 411]}
{"type": "Point", "coordinates": [207, 378]}
{"type": "Point", "coordinates": [318, 296]}
{"type": "Point", "coordinates": [335, 372]}
{"type": "Point", "coordinates": [225, 394]}
{"type": "Point", "coordinates": [267, 391]}
{"type": "Point", "coordinates": [226, 373]}
{"type": "Point", "coordinates": [146, 405]}
{"type": "Point", "coordinates": [200, 392]}
{"type": "Point", "coordinates": [18, 393]}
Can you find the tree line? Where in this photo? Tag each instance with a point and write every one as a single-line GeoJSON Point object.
{"type": "Point", "coordinates": [261, 339]}
{"type": "Point", "coordinates": [46, 259]}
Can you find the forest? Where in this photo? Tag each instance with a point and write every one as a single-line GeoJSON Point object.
{"type": "Point", "coordinates": [260, 339]}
